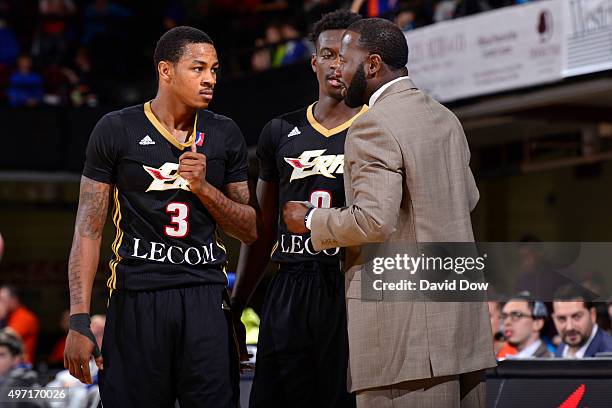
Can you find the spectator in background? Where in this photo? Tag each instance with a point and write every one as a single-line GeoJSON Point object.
{"type": "Point", "coordinates": [406, 19]}
{"type": "Point", "coordinates": [97, 328]}
{"type": "Point", "coordinates": [375, 8]}
{"type": "Point", "coordinates": [51, 43]}
{"type": "Point", "coordinates": [11, 349]}
{"type": "Point", "coordinates": [13, 374]}
{"type": "Point", "coordinates": [10, 47]}
{"type": "Point", "coordinates": [576, 321]}
{"type": "Point", "coordinates": [293, 49]}
{"type": "Point", "coordinates": [495, 316]}
{"type": "Point", "coordinates": [25, 86]}
{"type": "Point", "coordinates": [273, 42]}
{"type": "Point", "coordinates": [610, 311]}
{"type": "Point", "coordinates": [21, 320]}
{"type": "Point", "coordinates": [267, 49]}
{"type": "Point", "coordinates": [81, 395]}
{"type": "Point", "coordinates": [80, 78]}
{"type": "Point", "coordinates": [56, 358]}
{"type": "Point", "coordinates": [261, 60]}
{"type": "Point", "coordinates": [523, 319]}
{"type": "Point", "coordinates": [445, 10]}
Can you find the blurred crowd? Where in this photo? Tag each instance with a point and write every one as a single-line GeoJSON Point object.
{"type": "Point", "coordinates": [84, 52]}
{"type": "Point", "coordinates": [19, 367]}
{"type": "Point", "coordinates": [569, 327]}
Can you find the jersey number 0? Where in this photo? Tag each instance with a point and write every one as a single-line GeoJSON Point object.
{"type": "Point", "coordinates": [321, 199]}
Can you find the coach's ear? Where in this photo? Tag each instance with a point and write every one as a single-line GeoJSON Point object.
{"type": "Point", "coordinates": [164, 71]}
{"type": "Point", "coordinates": [373, 65]}
{"type": "Point", "coordinates": [313, 62]}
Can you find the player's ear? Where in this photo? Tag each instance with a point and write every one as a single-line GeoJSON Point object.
{"type": "Point", "coordinates": [164, 70]}
{"type": "Point", "coordinates": [313, 62]}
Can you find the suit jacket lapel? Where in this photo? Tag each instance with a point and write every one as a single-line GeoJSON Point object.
{"type": "Point", "coordinates": [594, 346]}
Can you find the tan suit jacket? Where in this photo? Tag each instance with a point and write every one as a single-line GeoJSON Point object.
{"type": "Point", "coordinates": [407, 177]}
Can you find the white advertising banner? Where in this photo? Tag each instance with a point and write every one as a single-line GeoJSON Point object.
{"type": "Point", "coordinates": [495, 51]}
{"type": "Point", "coordinates": [588, 32]}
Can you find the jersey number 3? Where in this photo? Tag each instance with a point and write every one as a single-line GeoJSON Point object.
{"type": "Point", "coordinates": [179, 213]}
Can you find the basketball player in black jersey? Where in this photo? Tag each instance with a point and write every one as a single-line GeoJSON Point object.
{"type": "Point", "coordinates": [176, 173]}
{"type": "Point", "coordinates": [303, 347]}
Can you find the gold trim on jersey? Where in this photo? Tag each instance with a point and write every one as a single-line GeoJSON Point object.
{"type": "Point", "coordinates": [330, 132]}
{"type": "Point", "coordinates": [219, 243]}
{"type": "Point", "coordinates": [112, 280]}
{"type": "Point", "coordinates": [274, 248]}
{"type": "Point", "coordinates": [165, 133]}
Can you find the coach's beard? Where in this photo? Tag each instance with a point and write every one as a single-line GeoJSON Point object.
{"type": "Point", "coordinates": [356, 90]}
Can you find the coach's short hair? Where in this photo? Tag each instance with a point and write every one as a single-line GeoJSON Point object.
{"type": "Point", "coordinates": [382, 37]}
{"type": "Point", "coordinates": [336, 20]}
{"type": "Point", "coordinates": [171, 45]}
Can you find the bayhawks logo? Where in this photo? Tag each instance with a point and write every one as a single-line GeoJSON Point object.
{"type": "Point", "coordinates": [166, 178]}
{"type": "Point", "coordinates": [313, 163]}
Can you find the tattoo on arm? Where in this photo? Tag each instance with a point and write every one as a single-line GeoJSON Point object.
{"type": "Point", "coordinates": [234, 213]}
{"type": "Point", "coordinates": [85, 252]}
{"type": "Point", "coordinates": [240, 193]}
{"type": "Point", "coordinates": [93, 205]}
{"type": "Point", "coordinates": [74, 278]}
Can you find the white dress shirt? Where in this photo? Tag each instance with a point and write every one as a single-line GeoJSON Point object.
{"type": "Point", "coordinates": [583, 349]}
{"type": "Point", "coordinates": [380, 90]}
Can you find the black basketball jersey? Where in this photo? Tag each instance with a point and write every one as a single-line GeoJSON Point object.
{"type": "Point", "coordinates": [307, 162]}
{"type": "Point", "coordinates": [165, 236]}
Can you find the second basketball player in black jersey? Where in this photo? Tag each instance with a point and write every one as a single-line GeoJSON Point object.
{"type": "Point", "coordinates": [176, 173]}
{"type": "Point", "coordinates": [302, 352]}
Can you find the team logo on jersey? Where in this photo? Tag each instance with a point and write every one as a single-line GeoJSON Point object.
{"type": "Point", "coordinates": [166, 178]}
{"type": "Point", "coordinates": [314, 163]}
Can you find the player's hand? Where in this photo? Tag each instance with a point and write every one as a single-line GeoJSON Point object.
{"type": "Point", "coordinates": [192, 167]}
{"type": "Point", "coordinates": [77, 354]}
{"type": "Point", "coordinates": [293, 214]}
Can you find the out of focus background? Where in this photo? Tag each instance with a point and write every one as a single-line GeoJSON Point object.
{"type": "Point", "coordinates": [531, 82]}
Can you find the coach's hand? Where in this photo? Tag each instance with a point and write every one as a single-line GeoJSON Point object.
{"type": "Point", "coordinates": [192, 167]}
{"type": "Point", "coordinates": [77, 353]}
{"type": "Point", "coordinates": [293, 214]}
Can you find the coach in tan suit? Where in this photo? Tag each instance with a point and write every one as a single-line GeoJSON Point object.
{"type": "Point", "coordinates": [407, 178]}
